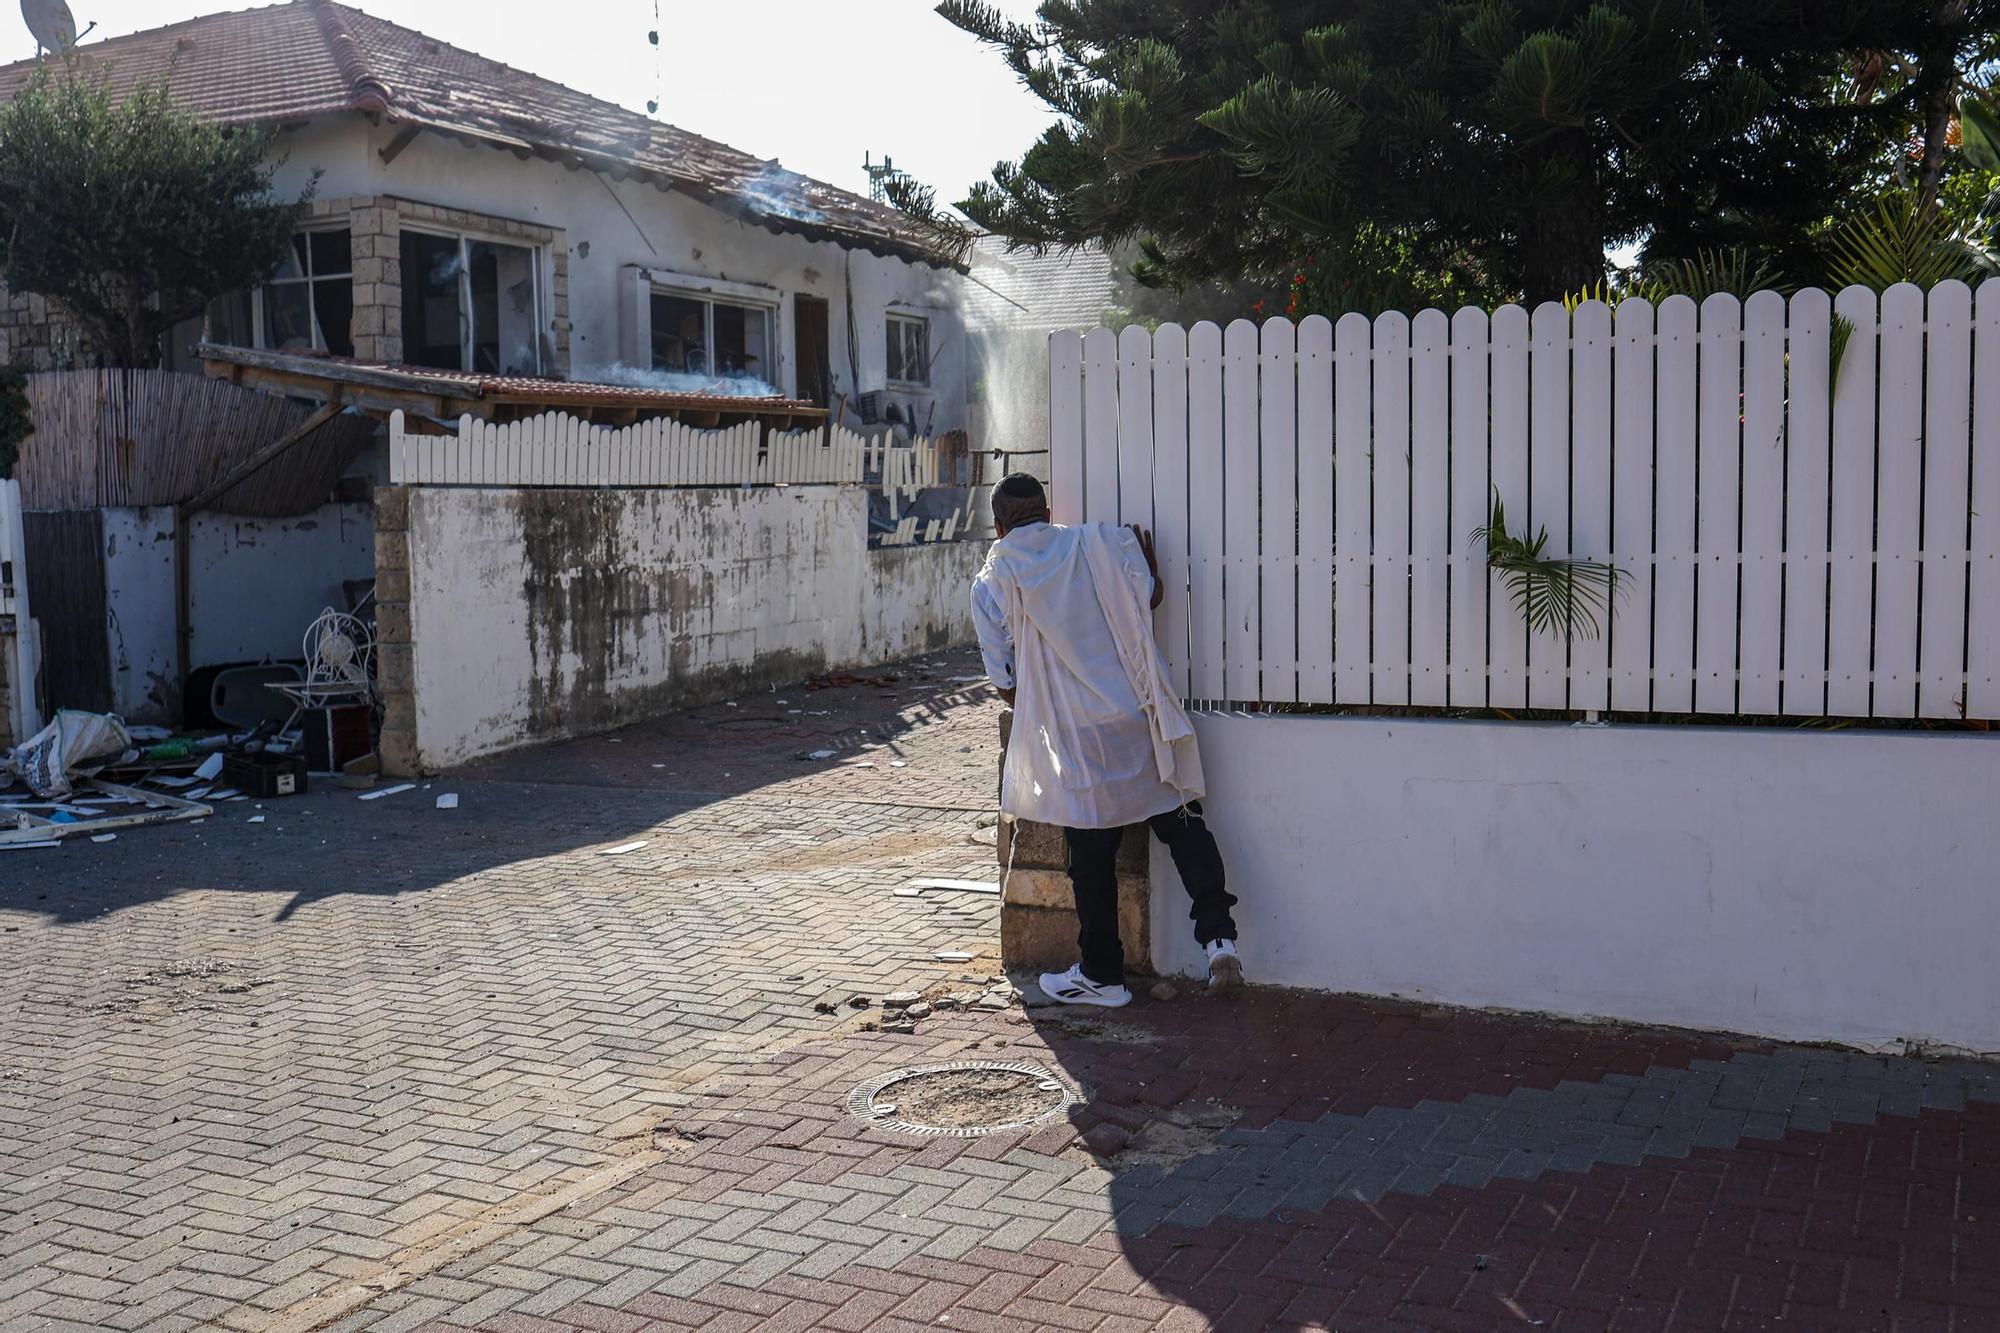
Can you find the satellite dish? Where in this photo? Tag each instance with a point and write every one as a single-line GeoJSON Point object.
{"type": "Point", "coordinates": [52, 24]}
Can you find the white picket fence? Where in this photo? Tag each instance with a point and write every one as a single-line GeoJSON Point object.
{"type": "Point", "coordinates": [1789, 549]}
{"type": "Point", "coordinates": [20, 648]}
{"type": "Point", "coordinates": [557, 449]}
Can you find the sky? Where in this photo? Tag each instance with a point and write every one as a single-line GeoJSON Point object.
{"type": "Point", "coordinates": [813, 83]}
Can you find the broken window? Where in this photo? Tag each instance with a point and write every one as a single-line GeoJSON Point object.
{"type": "Point", "coordinates": [307, 306]}
{"type": "Point", "coordinates": [909, 350]}
{"type": "Point", "coordinates": [716, 339]}
{"type": "Point", "coordinates": [470, 304]}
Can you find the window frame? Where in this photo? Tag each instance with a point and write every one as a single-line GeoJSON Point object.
{"type": "Point", "coordinates": [710, 293]}
{"type": "Point", "coordinates": [890, 320]}
{"type": "Point", "coordinates": [468, 237]}
{"type": "Point", "coordinates": [260, 328]}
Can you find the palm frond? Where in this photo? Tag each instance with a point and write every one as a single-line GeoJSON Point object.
{"type": "Point", "coordinates": [1733, 270]}
{"type": "Point", "coordinates": [1902, 240]}
{"type": "Point", "coordinates": [1566, 597]}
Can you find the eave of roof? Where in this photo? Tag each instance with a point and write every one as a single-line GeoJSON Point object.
{"type": "Point", "coordinates": [445, 394]}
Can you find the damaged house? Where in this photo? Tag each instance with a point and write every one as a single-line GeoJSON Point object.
{"type": "Point", "coordinates": [488, 249]}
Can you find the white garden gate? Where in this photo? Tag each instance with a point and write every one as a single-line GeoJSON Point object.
{"type": "Point", "coordinates": [1796, 543]}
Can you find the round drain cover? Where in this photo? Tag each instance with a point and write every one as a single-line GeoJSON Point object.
{"type": "Point", "coordinates": [964, 1099]}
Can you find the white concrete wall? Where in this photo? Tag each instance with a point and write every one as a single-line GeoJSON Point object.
{"type": "Point", "coordinates": [1804, 885]}
{"type": "Point", "coordinates": [668, 233]}
{"type": "Point", "coordinates": [538, 614]}
{"type": "Point", "coordinates": [255, 584]}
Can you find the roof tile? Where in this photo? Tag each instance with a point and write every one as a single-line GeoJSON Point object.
{"type": "Point", "coordinates": [306, 58]}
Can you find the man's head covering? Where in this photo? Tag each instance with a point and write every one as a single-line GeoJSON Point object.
{"type": "Point", "coordinates": [1019, 499]}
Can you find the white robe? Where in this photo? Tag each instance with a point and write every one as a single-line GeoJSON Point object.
{"type": "Point", "coordinates": [1099, 739]}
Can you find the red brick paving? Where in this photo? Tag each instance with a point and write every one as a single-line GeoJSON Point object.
{"type": "Point", "coordinates": [1893, 1225]}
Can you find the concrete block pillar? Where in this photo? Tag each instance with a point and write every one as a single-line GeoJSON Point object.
{"type": "Point", "coordinates": [395, 647]}
{"type": "Point", "coordinates": [1037, 910]}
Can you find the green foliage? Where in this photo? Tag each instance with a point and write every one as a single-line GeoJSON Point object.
{"type": "Point", "coordinates": [947, 238]}
{"type": "Point", "coordinates": [1733, 270]}
{"type": "Point", "coordinates": [1488, 147]}
{"type": "Point", "coordinates": [14, 423]}
{"type": "Point", "coordinates": [1901, 239]}
{"type": "Point", "coordinates": [130, 212]}
{"type": "Point", "coordinates": [1564, 596]}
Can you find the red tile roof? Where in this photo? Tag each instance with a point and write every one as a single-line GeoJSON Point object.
{"type": "Point", "coordinates": [307, 58]}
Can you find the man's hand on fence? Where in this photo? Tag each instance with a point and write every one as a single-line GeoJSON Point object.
{"type": "Point", "coordinates": [1152, 564]}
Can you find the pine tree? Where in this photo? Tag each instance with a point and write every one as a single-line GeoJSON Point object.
{"type": "Point", "coordinates": [1484, 147]}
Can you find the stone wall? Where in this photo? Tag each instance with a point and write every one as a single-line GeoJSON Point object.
{"type": "Point", "coordinates": [37, 335]}
{"type": "Point", "coordinates": [1037, 909]}
{"type": "Point", "coordinates": [395, 668]}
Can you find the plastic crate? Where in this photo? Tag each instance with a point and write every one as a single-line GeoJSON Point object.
{"type": "Point", "coordinates": [266, 775]}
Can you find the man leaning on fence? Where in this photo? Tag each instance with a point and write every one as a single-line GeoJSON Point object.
{"type": "Point", "coordinates": [1100, 741]}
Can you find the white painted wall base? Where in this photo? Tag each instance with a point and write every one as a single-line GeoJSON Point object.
{"type": "Point", "coordinates": [1799, 885]}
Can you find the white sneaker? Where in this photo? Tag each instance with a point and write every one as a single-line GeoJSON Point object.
{"type": "Point", "coordinates": [1225, 969]}
{"type": "Point", "coordinates": [1072, 987]}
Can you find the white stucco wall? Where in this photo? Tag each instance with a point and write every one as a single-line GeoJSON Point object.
{"type": "Point", "coordinates": [609, 225]}
{"type": "Point", "coordinates": [255, 584]}
{"type": "Point", "coordinates": [538, 614]}
{"type": "Point", "coordinates": [1802, 885]}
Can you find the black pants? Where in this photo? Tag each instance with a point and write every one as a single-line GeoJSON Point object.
{"type": "Point", "coordinates": [1093, 876]}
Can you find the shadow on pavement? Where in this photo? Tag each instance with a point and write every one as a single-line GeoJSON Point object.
{"type": "Point", "coordinates": [1268, 1170]}
{"type": "Point", "coordinates": [925, 738]}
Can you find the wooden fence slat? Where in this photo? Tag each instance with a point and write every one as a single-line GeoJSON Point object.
{"type": "Point", "coordinates": [1507, 631]}
{"type": "Point", "coordinates": [1548, 483]}
{"type": "Point", "coordinates": [1947, 493]}
{"type": "Point", "coordinates": [1135, 426]}
{"type": "Point", "coordinates": [1808, 457]}
{"type": "Point", "coordinates": [1631, 546]}
{"type": "Point", "coordinates": [1471, 495]}
{"type": "Point", "coordinates": [1243, 638]}
{"type": "Point", "coordinates": [1353, 388]}
{"type": "Point", "coordinates": [1430, 508]}
{"type": "Point", "coordinates": [1590, 489]}
{"type": "Point", "coordinates": [1277, 571]}
{"type": "Point", "coordinates": [1982, 689]}
{"type": "Point", "coordinates": [1718, 460]}
{"type": "Point", "coordinates": [1899, 501]}
{"type": "Point", "coordinates": [1206, 675]}
{"type": "Point", "coordinates": [1760, 614]}
{"type": "Point", "coordinates": [1674, 383]}
{"type": "Point", "coordinates": [1850, 616]}
{"type": "Point", "coordinates": [399, 450]}
{"type": "Point", "coordinates": [1389, 587]}
{"type": "Point", "coordinates": [1100, 427]}
{"type": "Point", "coordinates": [1315, 454]}
{"type": "Point", "coordinates": [1169, 450]}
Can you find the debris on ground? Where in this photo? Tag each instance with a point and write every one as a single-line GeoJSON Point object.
{"type": "Point", "coordinates": [901, 999]}
{"type": "Point", "coordinates": [396, 790]}
{"type": "Point", "coordinates": [448, 801]}
{"type": "Point", "coordinates": [1163, 991]}
{"type": "Point", "coordinates": [957, 885]}
{"type": "Point", "coordinates": [844, 680]}
{"type": "Point", "coordinates": [619, 850]}
{"type": "Point", "coordinates": [65, 749]}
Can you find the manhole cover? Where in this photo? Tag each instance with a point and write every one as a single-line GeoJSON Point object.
{"type": "Point", "coordinates": [963, 1099]}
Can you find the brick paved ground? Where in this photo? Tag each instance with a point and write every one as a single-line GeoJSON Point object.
{"type": "Point", "coordinates": [501, 1082]}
